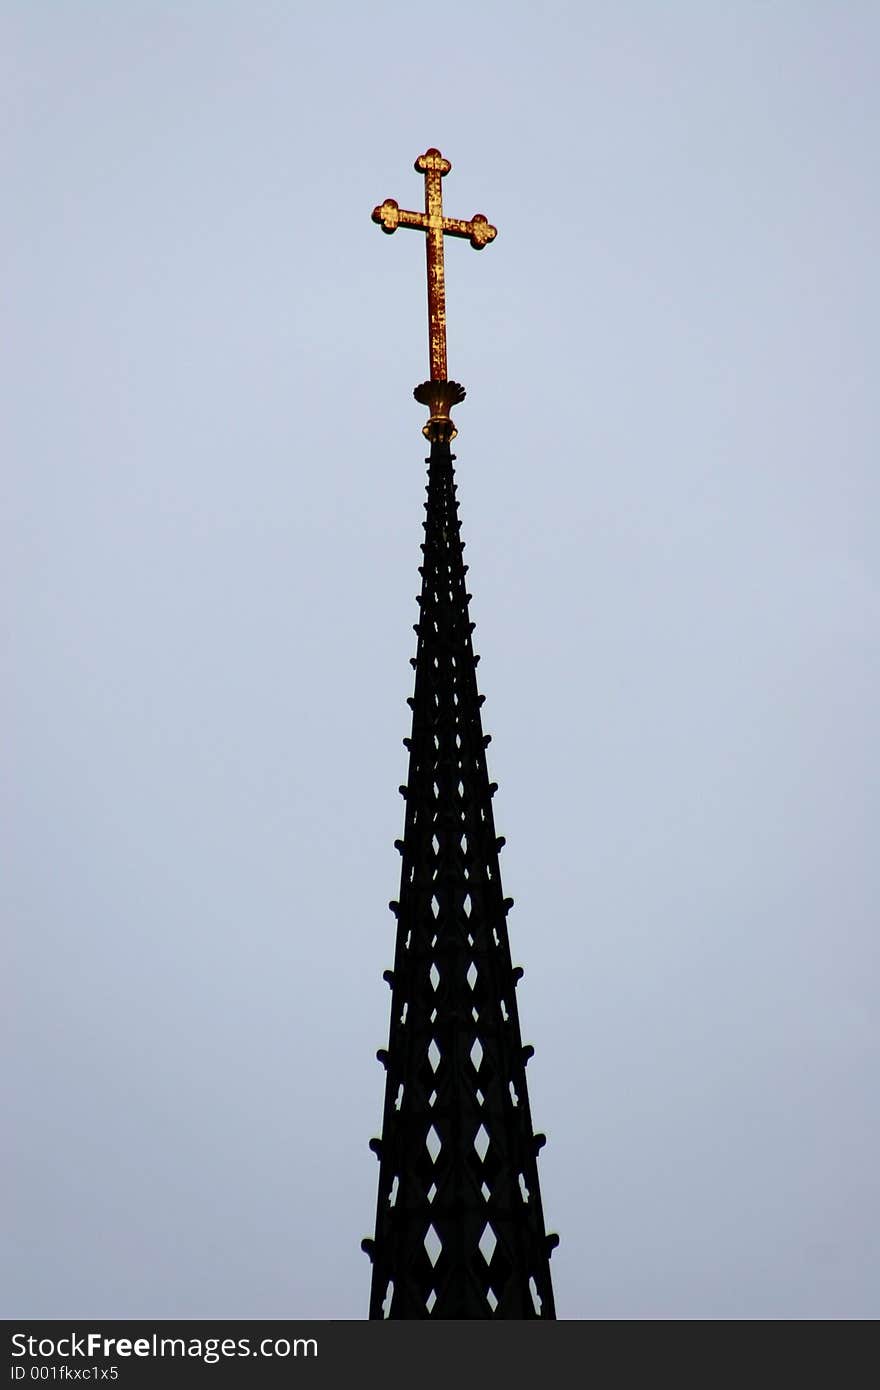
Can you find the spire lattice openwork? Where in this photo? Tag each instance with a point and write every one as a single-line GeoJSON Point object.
{"type": "Point", "coordinates": [459, 1224]}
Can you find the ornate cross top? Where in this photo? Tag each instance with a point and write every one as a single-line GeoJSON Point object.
{"type": "Point", "coordinates": [478, 232]}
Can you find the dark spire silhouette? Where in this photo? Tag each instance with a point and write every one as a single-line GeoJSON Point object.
{"type": "Point", "coordinates": [459, 1222]}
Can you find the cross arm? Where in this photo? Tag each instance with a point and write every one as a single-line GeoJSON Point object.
{"type": "Point", "coordinates": [390, 217]}
{"type": "Point", "coordinates": [479, 231]}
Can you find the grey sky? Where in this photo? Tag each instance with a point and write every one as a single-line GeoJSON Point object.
{"type": "Point", "coordinates": [667, 470]}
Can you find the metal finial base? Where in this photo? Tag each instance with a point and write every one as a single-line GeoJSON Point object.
{"type": "Point", "coordinates": [439, 397]}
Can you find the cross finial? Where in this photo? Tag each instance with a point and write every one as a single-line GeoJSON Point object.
{"type": "Point", "coordinates": [478, 232]}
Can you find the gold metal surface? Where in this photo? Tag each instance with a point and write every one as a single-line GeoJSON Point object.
{"type": "Point", "coordinates": [439, 397]}
{"type": "Point", "coordinates": [477, 231]}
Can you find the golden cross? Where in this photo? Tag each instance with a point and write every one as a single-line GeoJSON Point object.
{"type": "Point", "coordinates": [477, 231]}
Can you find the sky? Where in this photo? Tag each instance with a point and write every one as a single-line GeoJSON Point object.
{"type": "Point", "coordinates": [667, 469]}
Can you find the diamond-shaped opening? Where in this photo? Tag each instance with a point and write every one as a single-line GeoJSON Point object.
{"type": "Point", "coordinates": [461, 788]}
{"type": "Point", "coordinates": [386, 1301]}
{"type": "Point", "coordinates": [433, 941]}
{"type": "Point", "coordinates": [513, 1095]}
{"type": "Point", "coordinates": [480, 1096]}
{"type": "Point", "coordinates": [433, 1144]}
{"type": "Point", "coordinates": [432, 1098]}
{"type": "Point", "coordinates": [433, 1055]}
{"type": "Point", "coordinates": [524, 1191]}
{"type": "Point", "coordinates": [435, 845]}
{"type": "Point", "coordinates": [471, 976]}
{"type": "Point", "coordinates": [432, 1192]}
{"type": "Point", "coordinates": [484, 1188]}
{"type": "Point", "coordinates": [487, 1242]}
{"type": "Point", "coordinates": [491, 1299]}
{"type": "Point", "coordinates": [464, 844]}
{"type": "Point", "coordinates": [392, 1195]}
{"type": "Point", "coordinates": [467, 904]}
{"type": "Point", "coordinates": [433, 1245]}
{"type": "Point", "coordinates": [477, 1053]}
{"type": "Point", "coordinates": [536, 1300]}
{"type": "Point", "coordinates": [434, 976]}
{"type": "Point", "coordinates": [430, 1301]}
{"type": "Point", "coordinates": [433, 1015]}
{"type": "Point", "coordinates": [481, 1142]}
{"type": "Point", "coordinates": [398, 1102]}
{"type": "Point", "coordinates": [435, 906]}
{"type": "Point", "coordinates": [436, 791]}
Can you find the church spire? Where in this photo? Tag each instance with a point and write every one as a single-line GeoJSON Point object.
{"type": "Point", "coordinates": [459, 1224]}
